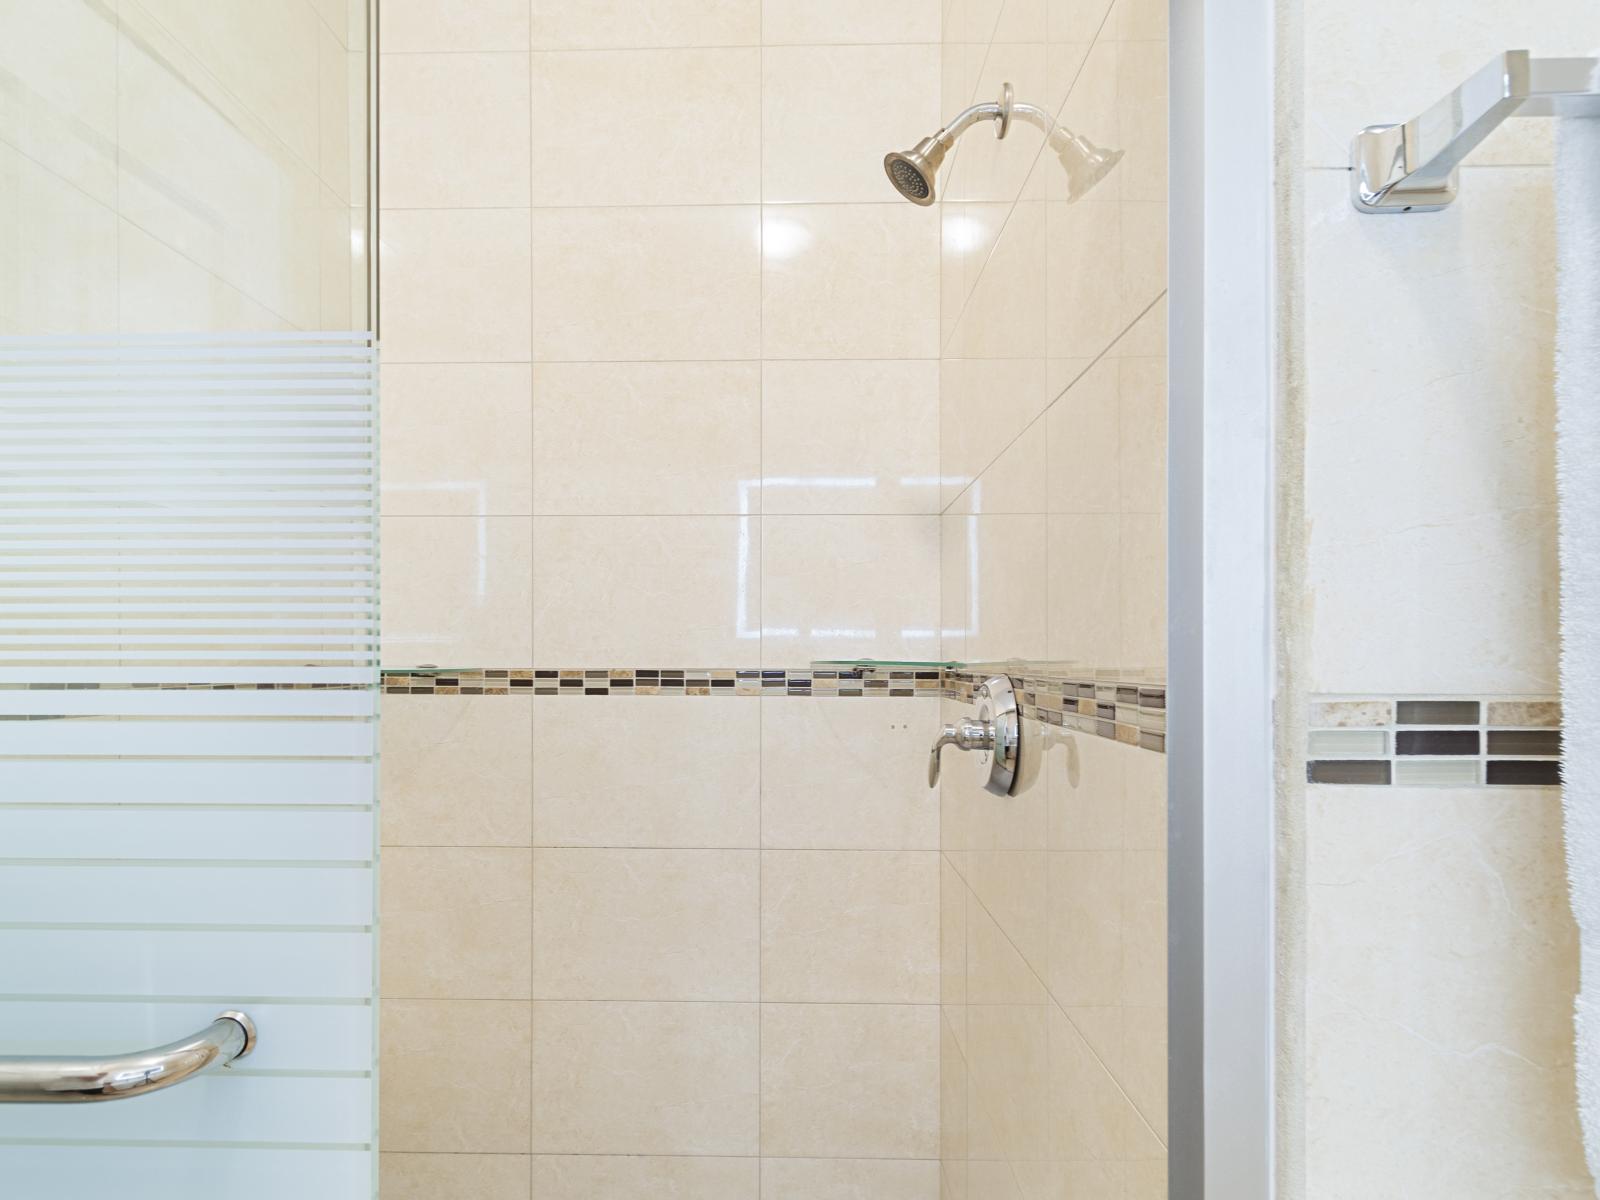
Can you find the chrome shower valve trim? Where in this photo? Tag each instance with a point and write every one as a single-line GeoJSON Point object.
{"type": "Point", "coordinates": [996, 733]}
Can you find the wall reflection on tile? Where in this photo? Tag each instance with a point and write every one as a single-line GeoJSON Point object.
{"type": "Point", "coordinates": [850, 437]}
{"type": "Point", "coordinates": [848, 587]}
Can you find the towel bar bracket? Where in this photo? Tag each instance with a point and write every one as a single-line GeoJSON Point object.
{"type": "Point", "coordinates": [1413, 167]}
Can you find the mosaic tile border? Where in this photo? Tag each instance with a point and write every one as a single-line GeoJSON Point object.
{"type": "Point", "coordinates": [1434, 741]}
{"type": "Point", "coordinates": [664, 681]}
{"type": "Point", "coordinates": [1133, 713]}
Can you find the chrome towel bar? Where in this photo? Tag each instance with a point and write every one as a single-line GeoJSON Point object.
{"type": "Point", "coordinates": [25, 1080]}
{"type": "Point", "coordinates": [1412, 167]}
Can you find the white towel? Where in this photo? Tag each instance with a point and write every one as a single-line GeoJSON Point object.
{"type": "Point", "coordinates": [1578, 482]}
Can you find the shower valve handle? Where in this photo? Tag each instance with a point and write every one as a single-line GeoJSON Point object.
{"type": "Point", "coordinates": [967, 734]}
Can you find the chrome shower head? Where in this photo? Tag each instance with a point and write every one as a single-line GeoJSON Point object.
{"type": "Point", "coordinates": [914, 171]}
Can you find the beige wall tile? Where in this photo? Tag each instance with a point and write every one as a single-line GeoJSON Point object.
{"type": "Point", "coordinates": [848, 587]}
{"type": "Point", "coordinates": [1007, 311]}
{"type": "Point", "coordinates": [983, 405]}
{"type": "Point", "coordinates": [1012, 886]}
{"type": "Point", "coordinates": [849, 281]}
{"type": "Point", "coordinates": [836, 775]}
{"type": "Point", "coordinates": [646, 924]}
{"type": "Point", "coordinates": [623, 23]}
{"type": "Point", "coordinates": [478, 461]}
{"type": "Point", "coordinates": [1084, 429]}
{"type": "Point", "coordinates": [790, 21]}
{"type": "Point", "coordinates": [1006, 613]}
{"type": "Point", "coordinates": [456, 923]}
{"type": "Point", "coordinates": [660, 127]}
{"type": "Point", "coordinates": [456, 591]}
{"type": "Point", "coordinates": [421, 25]}
{"type": "Point", "coordinates": [958, 537]}
{"type": "Point", "coordinates": [645, 1078]}
{"type": "Point", "coordinates": [430, 1176]}
{"type": "Point", "coordinates": [1090, 806]}
{"type": "Point", "coordinates": [596, 1177]}
{"type": "Point", "coordinates": [1015, 482]}
{"type": "Point", "coordinates": [633, 771]}
{"type": "Point", "coordinates": [1085, 589]}
{"type": "Point", "coordinates": [848, 1179]}
{"type": "Point", "coordinates": [456, 285]}
{"type": "Point", "coordinates": [646, 283]}
{"type": "Point", "coordinates": [457, 771]}
{"type": "Point", "coordinates": [646, 590]}
{"type": "Point", "coordinates": [455, 131]}
{"type": "Point", "coordinates": [849, 1080]}
{"type": "Point", "coordinates": [1143, 538]}
{"type": "Point", "coordinates": [1439, 926]}
{"type": "Point", "coordinates": [1089, 1117]}
{"type": "Point", "coordinates": [850, 437]}
{"type": "Point", "coordinates": [1087, 927]}
{"type": "Point", "coordinates": [830, 113]}
{"type": "Point", "coordinates": [952, 935]}
{"type": "Point", "coordinates": [647, 438]}
{"type": "Point", "coordinates": [455, 1077]}
{"type": "Point", "coordinates": [850, 926]}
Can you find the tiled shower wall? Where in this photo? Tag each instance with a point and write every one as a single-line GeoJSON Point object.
{"type": "Point", "coordinates": [1429, 954]}
{"type": "Point", "coordinates": [661, 391]}
{"type": "Point", "coordinates": [1053, 433]}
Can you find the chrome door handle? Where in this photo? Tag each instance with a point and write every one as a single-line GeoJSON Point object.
{"type": "Point", "coordinates": [997, 732]}
{"type": "Point", "coordinates": [27, 1080]}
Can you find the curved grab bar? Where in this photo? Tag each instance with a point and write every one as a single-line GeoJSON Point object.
{"type": "Point", "coordinates": [26, 1080]}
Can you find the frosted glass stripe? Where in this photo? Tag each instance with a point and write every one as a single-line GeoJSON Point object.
{"type": "Point", "coordinates": [188, 740]}
{"type": "Point", "coordinates": [58, 832]}
{"type": "Point", "coordinates": [189, 781]}
{"type": "Point", "coordinates": [160, 1174]}
{"type": "Point", "coordinates": [216, 1107]}
{"type": "Point", "coordinates": [92, 962]}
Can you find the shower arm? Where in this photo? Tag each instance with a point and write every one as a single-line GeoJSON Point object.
{"type": "Point", "coordinates": [1412, 167]}
{"type": "Point", "coordinates": [1003, 112]}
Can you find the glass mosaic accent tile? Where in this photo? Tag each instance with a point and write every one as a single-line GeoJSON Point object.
{"type": "Point", "coordinates": [1439, 741]}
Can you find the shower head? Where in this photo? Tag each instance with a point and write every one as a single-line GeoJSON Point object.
{"type": "Point", "coordinates": [915, 172]}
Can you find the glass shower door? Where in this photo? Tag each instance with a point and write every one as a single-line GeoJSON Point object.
{"type": "Point", "coordinates": [188, 601]}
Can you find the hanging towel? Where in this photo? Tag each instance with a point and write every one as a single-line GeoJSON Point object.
{"type": "Point", "coordinates": [1578, 484]}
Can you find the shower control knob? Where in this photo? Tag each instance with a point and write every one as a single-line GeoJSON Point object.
{"type": "Point", "coordinates": [997, 732]}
